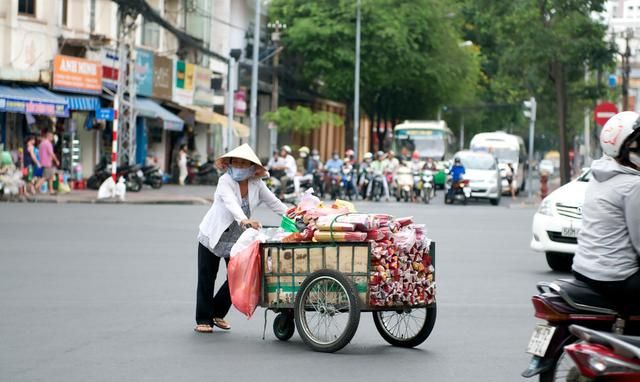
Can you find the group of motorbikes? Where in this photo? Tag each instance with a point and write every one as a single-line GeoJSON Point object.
{"type": "Point", "coordinates": [135, 176]}
{"type": "Point", "coordinates": [367, 184]}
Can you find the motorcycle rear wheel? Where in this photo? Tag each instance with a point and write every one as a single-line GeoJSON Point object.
{"type": "Point", "coordinates": [134, 184]}
{"type": "Point", "coordinates": [156, 183]}
{"type": "Point", "coordinates": [564, 370]}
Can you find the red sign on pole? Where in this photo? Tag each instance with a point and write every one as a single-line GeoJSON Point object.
{"type": "Point", "coordinates": [603, 112]}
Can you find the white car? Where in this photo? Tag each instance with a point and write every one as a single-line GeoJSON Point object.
{"type": "Point", "coordinates": [481, 169]}
{"type": "Point", "coordinates": [558, 221]}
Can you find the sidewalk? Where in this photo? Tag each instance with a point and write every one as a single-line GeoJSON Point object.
{"type": "Point", "coordinates": [168, 194]}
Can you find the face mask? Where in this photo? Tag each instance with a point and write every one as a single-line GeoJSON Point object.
{"type": "Point", "coordinates": [336, 157]}
{"type": "Point", "coordinates": [635, 159]}
{"type": "Point", "coordinates": [303, 155]}
{"type": "Point", "coordinates": [240, 174]}
{"type": "Point", "coordinates": [316, 157]}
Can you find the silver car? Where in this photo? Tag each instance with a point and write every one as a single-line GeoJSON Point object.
{"type": "Point", "coordinates": [481, 169]}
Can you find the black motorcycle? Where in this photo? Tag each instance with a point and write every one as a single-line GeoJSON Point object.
{"type": "Point", "coordinates": [205, 173]}
{"type": "Point", "coordinates": [132, 174]}
{"type": "Point", "coordinates": [152, 176]}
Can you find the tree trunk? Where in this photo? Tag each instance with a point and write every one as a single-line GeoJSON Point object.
{"type": "Point", "coordinates": [562, 101]}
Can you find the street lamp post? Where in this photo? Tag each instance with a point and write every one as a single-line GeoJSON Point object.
{"type": "Point", "coordinates": [234, 55]}
{"type": "Point", "coordinates": [277, 27]}
{"type": "Point", "coordinates": [356, 95]}
{"type": "Point", "coordinates": [253, 138]}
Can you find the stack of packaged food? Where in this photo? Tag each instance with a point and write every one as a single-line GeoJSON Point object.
{"type": "Point", "coordinates": [401, 266]}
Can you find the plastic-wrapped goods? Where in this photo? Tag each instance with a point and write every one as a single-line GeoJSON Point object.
{"type": "Point", "coordinates": [405, 238]}
{"type": "Point", "coordinates": [324, 236]}
{"type": "Point", "coordinates": [335, 227]}
{"type": "Point", "coordinates": [362, 222]}
{"type": "Point", "coordinates": [322, 210]}
{"type": "Point", "coordinates": [308, 201]}
{"type": "Point", "coordinates": [405, 221]}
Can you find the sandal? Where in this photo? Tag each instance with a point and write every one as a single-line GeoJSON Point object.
{"type": "Point", "coordinates": [222, 324]}
{"type": "Point", "coordinates": [203, 328]}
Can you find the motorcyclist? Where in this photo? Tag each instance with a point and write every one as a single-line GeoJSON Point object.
{"type": "Point", "coordinates": [333, 167]}
{"type": "Point", "coordinates": [416, 164]}
{"type": "Point", "coordinates": [302, 174]}
{"type": "Point", "coordinates": [287, 164]}
{"type": "Point", "coordinates": [607, 257]}
{"type": "Point", "coordinates": [364, 172]}
{"type": "Point", "coordinates": [378, 167]}
{"type": "Point", "coordinates": [315, 167]}
{"type": "Point", "coordinates": [456, 172]}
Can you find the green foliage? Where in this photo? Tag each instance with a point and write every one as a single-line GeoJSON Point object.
{"type": "Point", "coordinates": [301, 119]}
{"type": "Point", "coordinates": [411, 58]}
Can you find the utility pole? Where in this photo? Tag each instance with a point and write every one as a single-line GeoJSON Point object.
{"type": "Point", "coordinates": [234, 55]}
{"type": "Point", "coordinates": [356, 96]}
{"type": "Point", "coordinates": [461, 131]}
{"type": "Point", "coordinates": [587, 125]}
{"type": "Point", "coordinates": [530, 112]}
{"type": "Point", "coordinates": [124, 136]}
{"type": "Point", "coordinates": [253, 138]}
{"type": "Point", "coordinates": [275, 84]}
{"type": "Point", "coordinates": [626, 69]}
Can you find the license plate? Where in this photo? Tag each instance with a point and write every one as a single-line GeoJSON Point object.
{"type": "Point", "coordinates": [570, 231]}
{"type": "Point", "coordinates": [540, 340]}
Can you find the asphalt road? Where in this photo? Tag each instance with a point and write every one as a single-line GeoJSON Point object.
{"type": "Point", "coordinates": [106, 293]}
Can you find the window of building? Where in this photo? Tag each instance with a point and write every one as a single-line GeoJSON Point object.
{"type": "Point", "coordinates": [65, 11]}
{"type": "Point", "coordinates": [150, 34]}
{"type": "Point", "coordinates": [27, 7]}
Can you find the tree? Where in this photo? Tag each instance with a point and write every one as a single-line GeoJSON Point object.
{"type": "Point", "coordinates": [301, 119]}
{"type": "Point", "coordinates": [541, 48]}
{"type": "Point", "coordinates": [411, 60]}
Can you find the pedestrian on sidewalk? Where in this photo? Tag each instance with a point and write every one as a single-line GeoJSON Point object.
{"type": "Point", "coordinates": [182, 164]}
{"type": "Point", "coordinates": [31, 163]}
{"type": "Point", "coordinates": [240, 190]}
{"type": "Point", "coordinates": [48, 160]}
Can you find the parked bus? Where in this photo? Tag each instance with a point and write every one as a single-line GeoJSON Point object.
{"type": "Point", "coordinates": [432, 139]}
{"type": "Point", "coordinates": [507, 148]}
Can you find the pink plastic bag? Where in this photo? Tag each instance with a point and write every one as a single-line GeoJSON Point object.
{"type": "Point", "coordinates": [244, 279]}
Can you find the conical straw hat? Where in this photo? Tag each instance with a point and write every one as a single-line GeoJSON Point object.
{"type": "Point", "coordinates": [243, 152]}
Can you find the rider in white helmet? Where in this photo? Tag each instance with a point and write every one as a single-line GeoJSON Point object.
{"type": "Point", "coordinates": [609, 242]}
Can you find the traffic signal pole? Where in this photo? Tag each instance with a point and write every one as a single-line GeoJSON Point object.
{"type": "Point", "coordinates": [530, 112]}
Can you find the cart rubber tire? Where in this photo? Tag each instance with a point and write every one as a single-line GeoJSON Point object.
{"type": "Point", "coordinates": [284, 326]}
{"type": "Point", "coordinates": [354, 311]}
{"type": "Point", "coordinates": [414, 341]}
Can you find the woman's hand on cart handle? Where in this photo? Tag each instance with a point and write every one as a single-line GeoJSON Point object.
{"type": "Point", "coordinates": [247, 223]}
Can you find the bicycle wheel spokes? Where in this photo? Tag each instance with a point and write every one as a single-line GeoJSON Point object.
{"type": "Point", "coordinates": [326, 310]}
{"type": "Point", "coordinates": [404, 324]}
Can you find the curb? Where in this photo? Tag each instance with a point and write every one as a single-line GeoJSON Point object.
{"type": "Point", "coordinates": [195, 201]}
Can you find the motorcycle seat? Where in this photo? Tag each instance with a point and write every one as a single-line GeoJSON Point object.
{"type": "Point", "coordinates": [580, 296]}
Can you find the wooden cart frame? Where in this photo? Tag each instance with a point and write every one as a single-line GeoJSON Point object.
{"type": "Point", "coordinates": [291, 269]}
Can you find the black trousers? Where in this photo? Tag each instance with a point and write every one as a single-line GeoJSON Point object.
{"type": "Point", "coordinates": [209, 307]}
{"type": "Point", "coordinates": [623, 293]}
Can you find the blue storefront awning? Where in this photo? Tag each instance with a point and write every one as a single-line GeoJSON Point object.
{"type": "Point", "coordinates": [32, 100]}
{"type": "Point", "coordinates": [85, 103]}
{"type": "Point", "coordinates": [149, 109]}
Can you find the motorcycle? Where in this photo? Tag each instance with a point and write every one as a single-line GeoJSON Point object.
{"type": "Point", "coordinates": [347, 188]}
{"type": "Point", "coordinates": [132, 174]}
{"type": "Point", "coordinates": [603, 356]}
{"type": "Point", "coordinates": [459, 190]}
{"type": "Point", "coordinates": [377, 186]}
{"type": "Point", "coordinates": [563, 303]}
{"type": "Point", "coordinates": [152, 176]}
{"type": "Point", "coordinates": [424, 188]}
{"type": "Point", "coordinates": [318, 183]}
{"type": "Point", "coordinates": [404, 183]}
{"type": "Point", "coordinates": [205, 173]}
{"type": "Point", "coordinates": [333, 181]}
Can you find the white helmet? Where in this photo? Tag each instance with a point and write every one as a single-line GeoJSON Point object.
{"type": "Point", "coordinates": [616, 131]}
{"type": "Point", "coordinates": [368, 155]}
{"type": "Point", "coordinates": [286, 148]}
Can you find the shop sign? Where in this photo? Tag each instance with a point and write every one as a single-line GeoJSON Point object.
{"type": "Point", "coordinates": [162, 77]}
{"type": "Point", "coordinates": [183, 84]}
{"type": "Point", "coordinates": [144, 72]}
{"type": "Point", "coordinates": [203, 94]}
{"type": "Point", "coordinates": [106, 114]}
{"type": "Point", "coordinates": [240, 102]}
{"type": "Point", "coordinates": [30, 107]}
{"type": "Point", "coordinates": [77, 74]}
{"type": "Point", "coordinates": [110, 65]}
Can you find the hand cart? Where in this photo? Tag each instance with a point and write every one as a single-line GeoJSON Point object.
{"type": "Point", "coordinates": [321, 289]}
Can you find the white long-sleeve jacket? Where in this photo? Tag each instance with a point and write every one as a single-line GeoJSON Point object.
{"type": "Point", "coordinates": [227, 206]}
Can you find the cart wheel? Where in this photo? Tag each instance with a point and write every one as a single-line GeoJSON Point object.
{"type": "Point", "coordinates": [283, 326]}
{"type": "Point", "coordinates": [326, 311]}
{"type": "Point", "coordinates": [405, 328]}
